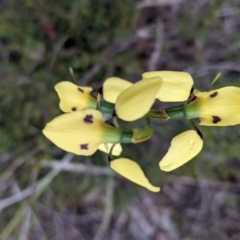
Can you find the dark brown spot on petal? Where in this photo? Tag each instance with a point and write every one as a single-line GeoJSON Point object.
{"type": "Point", "coordinates": [193, 98]}
{"type": "Point", "coordinates": [200, 134]}
{"type": "Point", "coordinates": [80, 90]}
{"type": "Point", "coordinates": [216, 119]}
{"type": "Point", "coordinates": [190, 94]}
{"type": "Point", "coordinates": [114, 114]}
{"type": "Point", "coordinates": [109, 122]}
{"type": "Point", "coordinates": [84, 146]}
{"type": "Point", "coordinates": [191, 90]}
{"type": "Point", "coordinates": [100, 91]}
{"type": "Point", "coordinates": [74, 109]}
{"type": "Point", "coordinates": [213, 94]}
{"type": "Point", "coordinates": [88, 118]}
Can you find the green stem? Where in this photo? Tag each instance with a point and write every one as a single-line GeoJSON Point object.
{"type": "Point", "coordinates": [126, 136]}
{"type": "Point", "coordinates": [176, 112]}
{"type": "Point", "coordinates": [106, 107]}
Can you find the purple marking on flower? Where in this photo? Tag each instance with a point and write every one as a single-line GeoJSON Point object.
{"type": "Point", "coordinates": [216, 119]}
{"type": "Point", "coordinates": [84, 146]}
{"type": "Point", "coordinates": [88, 118]}
{"type": "Point", "coordinates": [213, 94]}
{"type": "Point", "coordinates": [80, 90]}
{"type": "Point", "coordinates": [193, 99]}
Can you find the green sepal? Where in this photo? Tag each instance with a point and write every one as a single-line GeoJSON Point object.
{"type": "Point", "coordinates": [157, 114]}
{"type": "Point", "coordinates": [142, 134]}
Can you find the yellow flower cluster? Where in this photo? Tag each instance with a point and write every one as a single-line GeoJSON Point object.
{"type": "Point", "coordinates": [83, 130]}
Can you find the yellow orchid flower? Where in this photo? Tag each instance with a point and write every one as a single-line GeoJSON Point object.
{"type": "Point", "coordinates": [74, 98]}
{"type": "Point", "coordinates": [134, 102]}
{"type": "Point", "coordinates": [220, 107]}
{"type": "Point", "coordinates": [176, 86]}
{"type": "Point", "coordinates": [112, 87]}
{"type": "Point", "coordinates": [133, 172]}
{"type": "Point", "coordinates": [184, 147]}
{"type": "Point", "coordinates": [82, 132]}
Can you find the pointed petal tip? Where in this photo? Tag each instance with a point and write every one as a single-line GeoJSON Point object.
{"type": "Point", "coordinates": [154, 189]}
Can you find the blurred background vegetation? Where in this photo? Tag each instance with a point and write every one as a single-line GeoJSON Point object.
{"type": "Point", "coordinates": [46, 193]}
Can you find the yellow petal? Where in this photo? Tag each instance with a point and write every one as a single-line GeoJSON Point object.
{"type": "Point", "coordinates": [116, 150]}
{"type": "Point", "coordinates": [132, 171]}
{"type": "Point", "coordinates": [80, 132]}
{"type": "Point", "coordinates": [112, 87]}
{"type": "Point", "coordinates": [198, 93]}
{"type": "Point", "coordinates": [135, 101]}
{"type": "Point", "coordinates": [184, 147]}
{"type": "Point", "coordinates": [176, 86]}
{"type": "Point", "coordinates": [73, 97]}
{"type": "Point", "coordinates": [220, 107]}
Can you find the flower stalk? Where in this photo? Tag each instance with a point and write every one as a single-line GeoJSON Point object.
{"type": "Point", "coordinates": [176, 112]}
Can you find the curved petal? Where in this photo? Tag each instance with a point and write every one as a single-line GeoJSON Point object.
{"type": "Point", "coordinates": [73, 97]}
{"type": "Point", "coordinates": [116, 150]}
{"type": "Point", "coordinates": [135, 101]}
{"type": "Point", "coordinates": [176, 86]}
{"type": "Point", "coordinates": [112, 87]}
{"type": "Point", "coordinates": [184, 147]}
{"type": "Point", "coordinates": [79, 132]}
{"type": "Point", "coordinates": [132, 171]}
